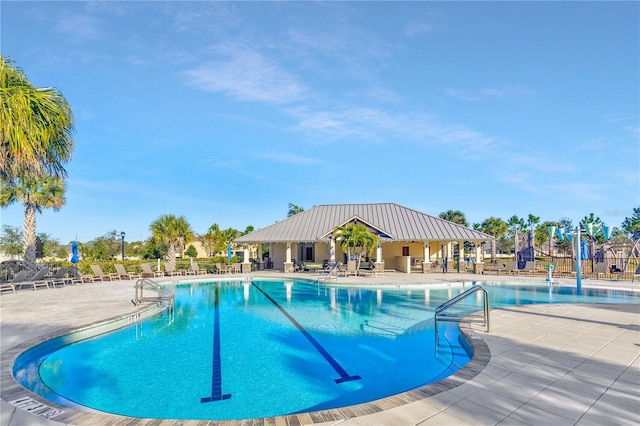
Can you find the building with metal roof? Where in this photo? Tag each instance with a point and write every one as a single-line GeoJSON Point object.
{"type": "Point", "coordinates": [409, 240]}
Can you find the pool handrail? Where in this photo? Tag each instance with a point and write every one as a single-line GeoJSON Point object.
{"type": "Point", "coordinates": [453, 301]}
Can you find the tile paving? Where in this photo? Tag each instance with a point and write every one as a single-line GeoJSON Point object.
{"type": "Point", "coordinates": [570, 364]}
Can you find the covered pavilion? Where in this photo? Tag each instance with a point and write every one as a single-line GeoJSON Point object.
{"type": "Point", "coordinates": [408, 239]}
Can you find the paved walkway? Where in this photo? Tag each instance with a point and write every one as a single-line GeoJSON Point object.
{"type": "Point", "coordinates": [539, 365]}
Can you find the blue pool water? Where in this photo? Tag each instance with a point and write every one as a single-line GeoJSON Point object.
{"type": "Point", "coordinates": [241, 349]}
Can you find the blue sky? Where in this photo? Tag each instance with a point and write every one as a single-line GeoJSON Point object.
{"type": "Point", "coordinates": [225, 112]}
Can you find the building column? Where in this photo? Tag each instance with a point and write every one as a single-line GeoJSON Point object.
{"type": "Point", "coordinates": [288, 264]}
{"type": "Point", "coordinates": [246, 265]}
{"type": "Point", "coordinates": [332, 250]}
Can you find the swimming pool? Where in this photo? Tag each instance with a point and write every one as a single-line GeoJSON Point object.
{"type": "Point", "coordinates": [243, 349]}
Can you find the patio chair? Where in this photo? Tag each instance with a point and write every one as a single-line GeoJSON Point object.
{"type": "Point", "coordinates": [170, 270]}
{"type": "Point", "coordinates": [223, 268]}
{"type": "Point", "coordinates": [123, 274]}
{"type": "Point", "coordinates": [21, 276]}
{"type": "Point", "coordinates": [351, 268]}
{"type": "Point", "coordinates": [37, 280]}
{"type": "Point", "coordinates": [59, 278]}
{"type": "Point", "coordinates": [97, 273]}
{"type": "Point", "coordinates": [147, 272]}
{"type": "Point", "coordinates": [195, 268]}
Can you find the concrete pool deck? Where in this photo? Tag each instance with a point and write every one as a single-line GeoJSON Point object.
{"type": "Point", "coordinates": [542, 364]}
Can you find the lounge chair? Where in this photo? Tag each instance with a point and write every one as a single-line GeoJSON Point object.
{"type": "Point", "coordinates": [195, 269]}
{"type": "Point", "coordinates": [21, 276]}
{"type": "Point", "coordinates": [147, 272]}
{"type": "Point", "coordinates": [37, 280]}
{"type": "Point", "coordinates": [170, 270]}
{"type": "Point", "coordinates": [122, 272]}
{"type": "Point", "coordinates": [97, 273]}
{"type": "Point", "coordinates": [222, 268]}
{"type": "Point", "coordinates": [351, 269]}
{"type": "Point", "coordinates": [59, 278]}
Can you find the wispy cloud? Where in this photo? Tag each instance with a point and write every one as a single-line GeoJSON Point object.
{"type": "Point", "coordinates": [368, 123]}
{"type": "Point", "coordinates": [246, 75]}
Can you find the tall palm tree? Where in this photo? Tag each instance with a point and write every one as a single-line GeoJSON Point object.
{"type": "Point", "coordinates": [173, 231]}
{"type": "Point", "coordinates": [36, 126]}
{"type": "Point", "coordinates": [356, 240]}
{"type": "Point", "coordinates": [34, 194]}
{"type": "Point", "coordinates": [455, 216]}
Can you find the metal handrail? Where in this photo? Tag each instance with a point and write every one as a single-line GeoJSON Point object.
{"type": "Point", "coordinates": [454, 300]}
{"type": "Point", "coordinates": [164, 294]}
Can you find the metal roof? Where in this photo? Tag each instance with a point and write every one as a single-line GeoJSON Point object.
{"type": "Point", "coordinates": [392, 221]}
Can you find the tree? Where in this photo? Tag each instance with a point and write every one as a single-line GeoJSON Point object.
{"type": "Point", "coordinates": [631, 225]}
{"type": "Point", "coordinates": [293, 209]}
{"type": "Point", "coordinates": [191, 252]}
{"type": "Point", "coordinates": [495, 227]}
{"type": "Point", "coordinates": [515, 225]}
{"type": "Point", "coordinates": [542, 235]}
{"type": "Point", "coordinates": [50, 245]}
{"type": "Point", "coordinates": [455, 216]}
{"type": "Point", "coordinates": [36, 127]}
{"type": "Point", "coordinates": [208, 240]}
{"type": "Point", "coordinates": [172, 231]}
{"type": "Point", "coordinates": [356, 240]}
{"type": "Point", "coordinates": [105, 247]}
{"type": "Point", "coordinates": [34, 194]}
{"type": "Point", "coordinates": [11, 241]}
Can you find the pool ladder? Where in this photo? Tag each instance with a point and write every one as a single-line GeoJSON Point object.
{"type": "Point", "coordinates": [439, 313]}
{"type": "Point", "coordinates": [165, 295]}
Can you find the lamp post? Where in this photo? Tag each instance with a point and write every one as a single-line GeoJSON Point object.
{"type": "Point", "coordinates": [122, 235]}
{"type": "Point", "coordinates": [574, 234]}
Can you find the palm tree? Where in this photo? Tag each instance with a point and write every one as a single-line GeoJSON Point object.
{"type": "Point", "coordinates": [36, 126]}
{"type": "Point", "coordinates": [172, 231]}
{"type": "Point", "coordinates": [293, 209]}
{"type": "Point", "coordinates": [455, 216]}
{"type": "Point", "coordinates": [495, 227]}
{"type": "Point", "coordinates": [356, 240]}
{"type": "Point", "coordinates": [34, 194]}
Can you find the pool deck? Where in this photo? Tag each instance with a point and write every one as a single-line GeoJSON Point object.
{"type": "Point", "coordinates": [564, 364]}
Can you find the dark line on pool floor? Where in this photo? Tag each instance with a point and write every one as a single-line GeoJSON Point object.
{"type": "Point", "coordinates": [216, 368]}
{"type": "Point", "coordinates": [344, 376]}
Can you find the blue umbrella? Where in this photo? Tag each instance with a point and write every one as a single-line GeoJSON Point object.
{"type": "Point", "coordinates": [229, 252]}
{"type": "Point", "coordinates": [74, 252]}
{"type": "Point", "coordinates": [584, 255]}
